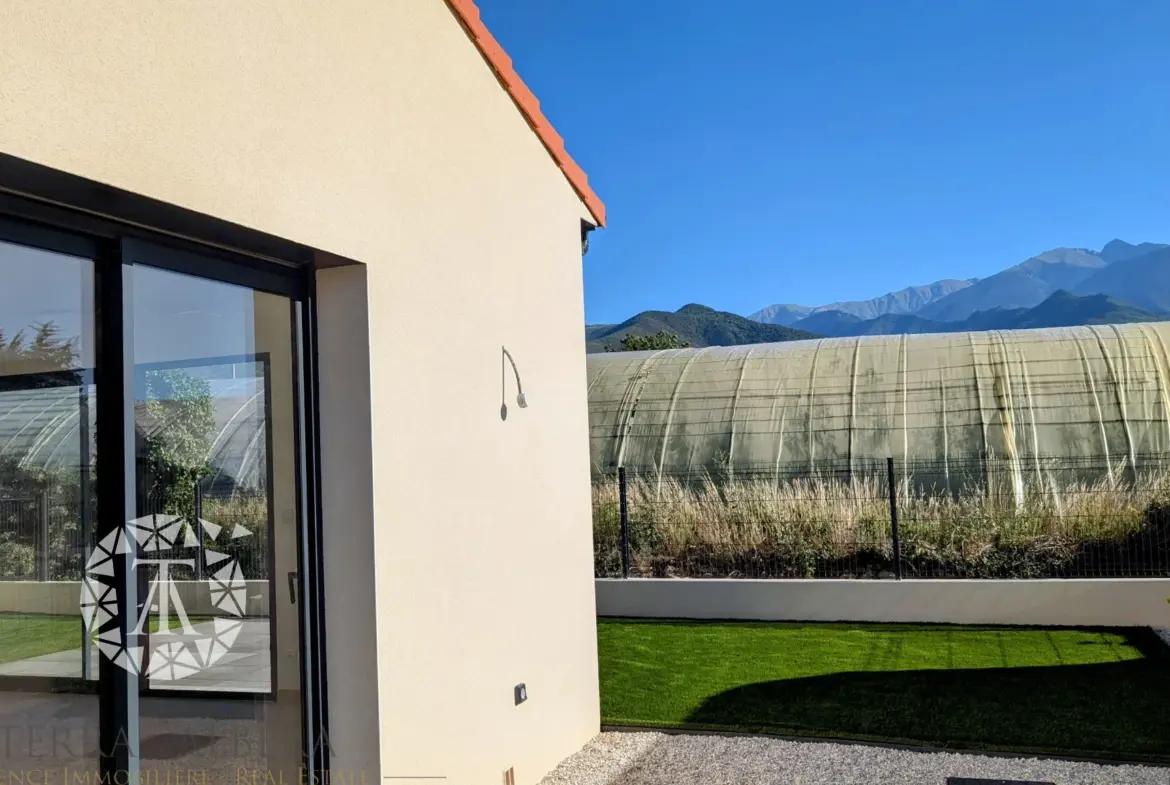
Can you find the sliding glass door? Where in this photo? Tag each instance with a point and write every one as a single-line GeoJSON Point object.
{"type": "Point", "coordinates": [48, 709]}
{"type": "Point", "coordinates": [152, 514]}
{"type": "Point", "coordinates": [215, 489]}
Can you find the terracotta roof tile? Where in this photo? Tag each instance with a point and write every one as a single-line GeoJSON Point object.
{"type": "Point", "coordinates": [528, 104]}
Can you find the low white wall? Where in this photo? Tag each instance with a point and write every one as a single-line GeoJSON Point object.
{"type": "Point", "coordinates": [63, 598]}
{"type": "Point", "coordinates": [1096, 602]}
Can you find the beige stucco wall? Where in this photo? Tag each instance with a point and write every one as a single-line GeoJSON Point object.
{"type": "Point", "coordinates": [374, 130]}
{"type": "Point", "coordinates": [1090, 602]}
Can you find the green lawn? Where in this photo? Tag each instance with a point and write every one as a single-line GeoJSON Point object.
{"type": "Point", "coordinates": [1048, 690]}
{"type": "Point", "coordinates": [24, 635]}
{"type": "Point", "coordinates": [31, 635]}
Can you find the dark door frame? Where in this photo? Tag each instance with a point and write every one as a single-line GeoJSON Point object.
{"type": "Point", "coordinates": [263, 359]}
{"type": "Point", "coordinates": [59, 212]}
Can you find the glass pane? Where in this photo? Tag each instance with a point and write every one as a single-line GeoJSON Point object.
{"type": "Point", "coordinates": [48, 711]}
{"type": "Point", "coordinates": [216, 486]}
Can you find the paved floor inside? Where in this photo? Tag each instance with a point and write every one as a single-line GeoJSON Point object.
{"type": "Point", "coordinates": [199, 738]}
{"type": "Point", "coordinates": [246, 667]}
{"type": "Point", "coordinates": [54, 738]}
{"type": "Point", "coordinates": [684, 759]}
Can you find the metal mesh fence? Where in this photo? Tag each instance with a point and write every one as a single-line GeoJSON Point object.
{"type": "Point", "coordinates": [234, 524]}
{"type": "Point", "coordinates": [46, 531]}
{"type": "Point", "coordinates": [980, 518]}
{"type": "Point", "coordinates": [40, 534]}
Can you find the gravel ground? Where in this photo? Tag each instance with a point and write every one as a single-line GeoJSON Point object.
{"type": "Point", "coordinates": [668, 759]}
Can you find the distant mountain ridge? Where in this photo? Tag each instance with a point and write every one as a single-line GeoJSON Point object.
{"type": "Point", "coordinates": [907, 300]}
{"type": "Point", "coordinates": [781, 314]}
{"type": "Point", "coordinates": [1061, 309]}
{"type": "Point", "coordinates": [1122, 282]}
{"type": "Point", "coordinates": [1143, 280]}
{"type": "Point", "coordinates": [1021, 286]}
{"type": "Point", "coordinates": [699, 325]}
{"type": "Point", "coordinates": [695, 324]}
{"type": "Point", "coordinates": [1138, 275]}
{"type": "Point", "coordinates": [1119, 250]}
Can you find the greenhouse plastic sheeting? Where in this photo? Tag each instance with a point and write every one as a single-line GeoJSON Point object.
{"type": "Point", "coordinates": [1066, 392]}
{"type": "Point", "coordinates": [40, 429]}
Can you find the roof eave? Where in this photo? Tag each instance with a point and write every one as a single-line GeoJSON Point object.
{"type": "Point", "coordinates": [497, 59]}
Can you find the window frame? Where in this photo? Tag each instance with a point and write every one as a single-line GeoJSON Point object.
{"type": "Point", "coordinates": [193, 244]}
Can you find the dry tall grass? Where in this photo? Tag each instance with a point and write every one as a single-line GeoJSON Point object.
{"type": "Point", "coordinates": [251, 511]}
{"type": "Point", "coordinates": [805, 526]}
{"type": "Point", "coordinates": [248, 509]}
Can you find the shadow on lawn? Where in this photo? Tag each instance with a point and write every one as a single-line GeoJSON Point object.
{"type": "Point", "coordinates": [1111, 710]}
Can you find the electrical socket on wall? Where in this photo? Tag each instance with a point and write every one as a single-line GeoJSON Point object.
{"type": "Point", "coordinates": [521, 693]}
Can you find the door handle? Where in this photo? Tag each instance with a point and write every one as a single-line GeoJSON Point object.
{"type": "Point", "coordinates": [293, 582]}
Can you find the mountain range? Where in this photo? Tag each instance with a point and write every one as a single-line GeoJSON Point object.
{"type": "Point", "coordinates": [697, 325]}
{"type": "Point", "coordinates": [1061, 309]}
{"type": "Point", "coordinates": [1130, 276]}
{"type": "Point", "coordinates": [907, 300]}
{"type": "Point", "coordinates": [1121, 282]}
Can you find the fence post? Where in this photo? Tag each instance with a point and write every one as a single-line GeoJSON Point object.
{"type": "Point", "coordinates": [625, 521]}
{"type": "Point", "coordinates": [43, 561]}
{"type": "Point", "coordinates": [894, 518]}
{"type": "Point", "coordinates": [200, 555]}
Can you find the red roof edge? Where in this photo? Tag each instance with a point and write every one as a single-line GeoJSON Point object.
{"type": "Point", "coordinates": [497, 59]}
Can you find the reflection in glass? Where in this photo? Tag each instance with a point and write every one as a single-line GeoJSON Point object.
{"type": "Point", "coordinates": [212, 376]}
{"type": "Point", "coordinates": [48, 712]}
{"type": "Point", "coordinates": [216, 480]}
{"type": "Point", "coordinates": [203, 465]}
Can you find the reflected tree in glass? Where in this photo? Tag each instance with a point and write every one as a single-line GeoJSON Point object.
{"type": "Point", "coordinates": [39, 503]}
{"type": "Point", "coordinates": [175, 430]}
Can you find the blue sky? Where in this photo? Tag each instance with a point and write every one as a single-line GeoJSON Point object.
{"type": "Point", "coordinates": [760, 151]}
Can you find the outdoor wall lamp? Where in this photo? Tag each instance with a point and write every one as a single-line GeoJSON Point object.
{"type": "Point", "coordinates": [521, 401]}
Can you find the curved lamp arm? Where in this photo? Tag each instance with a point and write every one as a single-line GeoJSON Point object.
{"type": "Point", "coordinates": [521, 401]}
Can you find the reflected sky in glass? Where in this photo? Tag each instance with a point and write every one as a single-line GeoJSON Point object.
{"type": "Point", "coordinates": [177, 317]}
